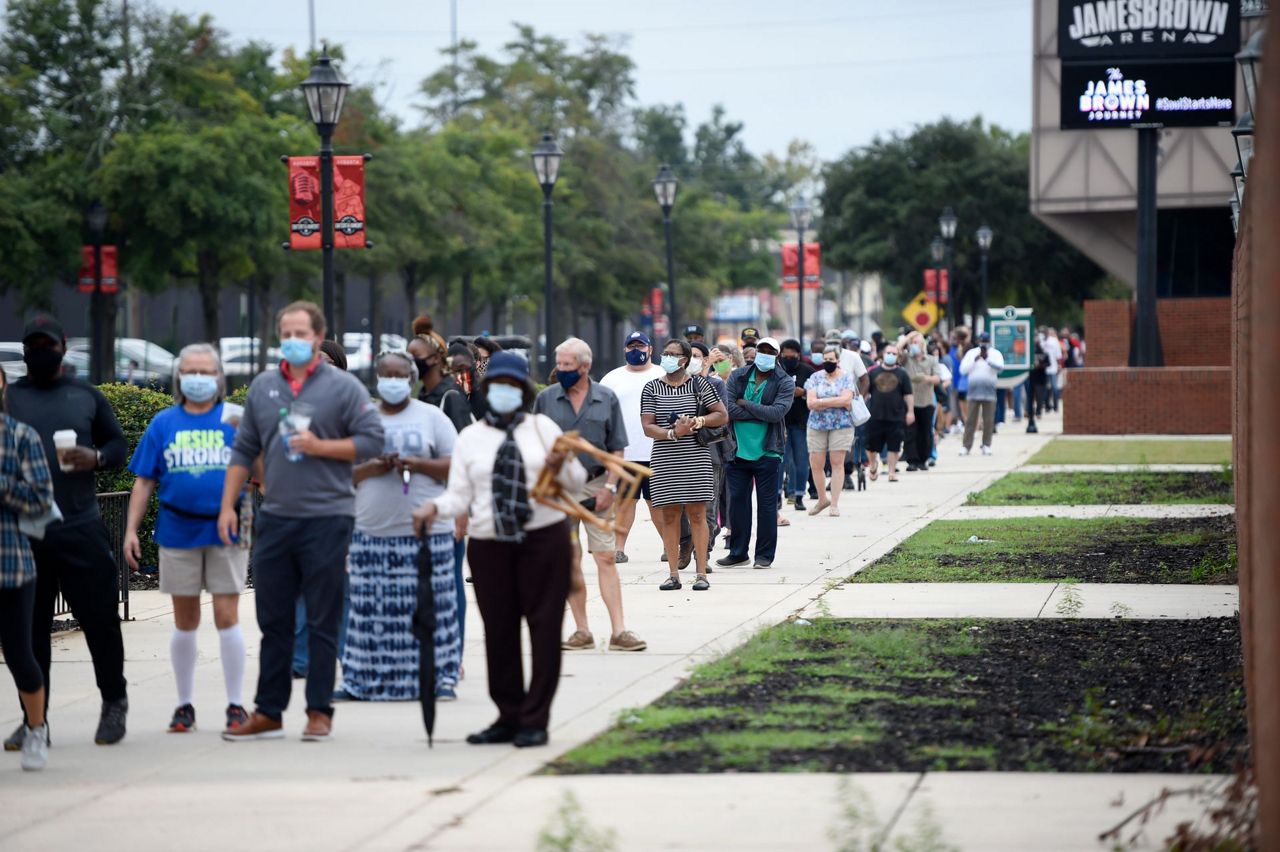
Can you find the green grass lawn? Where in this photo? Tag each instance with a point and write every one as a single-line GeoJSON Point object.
{"type": "Point", "coordinates": [1096, 550]}
{"type": "Point", "coordinates": [1090, 488]}
{"type": "Point", "coordinates": [1136, 451]}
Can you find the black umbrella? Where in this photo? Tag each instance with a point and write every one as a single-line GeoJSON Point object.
{"type": "Point", "coordinates": [424, 628]}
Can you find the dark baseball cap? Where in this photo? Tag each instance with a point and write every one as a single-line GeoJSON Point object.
{"type": "Point", "coordinates": [984, 337]}
{"type": "Point", "coordinates": [46, 325]}
{"type": "Point", "coordinates": [749, 333]}
{"type": "Point", "coordinates": [507, 365]}
{"type": "Point", "coordinates": [636, 337]}
{"type": "Point", "coordinates": [693, 329]}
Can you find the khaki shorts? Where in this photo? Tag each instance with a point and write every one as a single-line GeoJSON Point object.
{"type": "Point", "coordinates": [186, 571]}
{"type": "Point", "coordinates": [598, 541]}
{"type": "Point", "coordinates": [829, 440]}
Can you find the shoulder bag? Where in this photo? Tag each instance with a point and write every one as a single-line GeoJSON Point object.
{"type": "Point", "coordinates": [707, 435]}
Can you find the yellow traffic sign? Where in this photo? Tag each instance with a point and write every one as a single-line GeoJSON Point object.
{"type": "Point", "coordinates": [921, 312]}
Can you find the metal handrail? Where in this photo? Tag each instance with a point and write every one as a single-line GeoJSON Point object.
{"type": "Point", "coordinates": [114, 507]}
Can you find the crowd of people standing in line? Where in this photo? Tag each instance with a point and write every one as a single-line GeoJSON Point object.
{"type": "Point", "coordinates": [353, 491]}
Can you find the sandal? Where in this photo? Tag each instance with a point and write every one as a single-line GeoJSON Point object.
{"type": "Point", "coordinates": [893, 477]}
{"type": "Point", "coordinates": [819, 506]}
{"type": "Point", "coordinates": [671, 584]}
{"type": "Point", "coordinates": [835, 511]}
{"type": "Point", "coordinates": [874, 473]}
{"type": "Point", "coordinates": [783, 522]}
{"type": "Point", "coordinates": [701, 584]}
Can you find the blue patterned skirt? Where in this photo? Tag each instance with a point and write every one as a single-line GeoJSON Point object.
{"type": "Point", "coordinates": [380, 662]}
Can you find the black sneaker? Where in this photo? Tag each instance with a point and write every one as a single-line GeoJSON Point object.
{"type": "Point", "coordinates": [732, 561]}
{"type": "Point", "coordinates": [17, 738]}
{"type": "Point", "coordinates": [111, 722]}
{"type": "Point", "coordinates": [184, 720]}
{"type": "Point", "coordinates": [848, 483]}
{"type": "Point", "coordinates": [799, 503]}
{"type": "Point", "coordinates": [236, 716]}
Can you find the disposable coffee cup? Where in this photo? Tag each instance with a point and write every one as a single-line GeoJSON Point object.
{"type": "Point", "coordinates": [63, 440]}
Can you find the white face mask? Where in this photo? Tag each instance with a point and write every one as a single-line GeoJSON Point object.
{"type": "Point", "coordinates": [695, 366]}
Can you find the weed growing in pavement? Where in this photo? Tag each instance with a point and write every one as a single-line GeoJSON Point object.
{"type": "Point", "coordinates": [824, 607]}
{"type": "Point", "coordinates": [1120, 610]}
{"type": "Point", "coordinates": [1071, 602]}
{"type": "Point", "coordinates": [860, 830]}
{"type": "Point", "coordinates": [569, 831]}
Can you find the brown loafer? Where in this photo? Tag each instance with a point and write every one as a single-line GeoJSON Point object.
{"type": "Point", "coordinates": [258, 727]}
{"type": "Point", "coordinates": [319, 727]}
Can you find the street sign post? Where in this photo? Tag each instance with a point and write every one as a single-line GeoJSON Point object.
{"type": "Point", "coordinates": [921, 313]}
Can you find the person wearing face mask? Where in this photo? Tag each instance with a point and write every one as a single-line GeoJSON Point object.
{"type": "Point", "coordinates": [672, 409]}
{"type": "Point", "coordinates": [74, 558]}
{"type": "Point", "coordinates": [925, 376]}
{"type": "Point", "coordinates": [627, 383]}
{"type": "Point", "coordinates": [795, 457]}
{"type": "Point", "coordinates": [701, 364]}
{"type": "Point", "coordinates": [760, 396]}
{"type": "Point", "coordinates": [380, 660]}
{"type": "Point", "coordinates": [520, 550]}
{"type": "Point", "coordinates": [982, 364]}
{"type": "Point", "coordinates": [438, 387]}
{"type": "Point", "coordinates": [892, 412]}
{"type": "Point", "coordinates": [830, 425]}
{"type": "Point", "coordinates": [575, 403]}
{"type": "Point", "coordinates": [184, 454]}
{"type": "Point", "coordinates": [310, 422]}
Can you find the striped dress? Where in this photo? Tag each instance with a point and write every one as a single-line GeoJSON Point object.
{"type": "Point", "coordinates": [682, 470]}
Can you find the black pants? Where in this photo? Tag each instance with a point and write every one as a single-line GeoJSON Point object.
{"type": "Point", "coordinates": [293, 556]}
{"type": "Point", "coordinates": [527, 581]}
{"type": "Point", "coordinates": [77, 561]}
{"type": "Point", "coordinates": [919, 444]}
{"type": "Point", "coordinates": [16, 608]}
{"type": "Point", "coordinates": [742, 476]}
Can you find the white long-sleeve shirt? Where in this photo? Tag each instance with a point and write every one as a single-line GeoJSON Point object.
{"type": "Point", "coordinates": [470, 487]}
{"type": "Point", "coordinates": [982, 372]}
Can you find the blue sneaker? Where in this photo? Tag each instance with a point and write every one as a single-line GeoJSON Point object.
{"type": "Point", "coordinates": [446, 693]}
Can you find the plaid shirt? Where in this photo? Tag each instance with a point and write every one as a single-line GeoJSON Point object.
{"type": "Point", "coordinates": [26, 488]}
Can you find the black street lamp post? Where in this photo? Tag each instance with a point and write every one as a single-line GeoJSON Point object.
{"type": "Point", "coordinates": [546, 165]}
{"type": "Point", "coordinates": [664, 188]}
{"type": "Point", "coordinates": [101, 358]}
{"type": "Point", "coordinates": [984, 235]}
{"type": "Point", "coordinates": [947, 229]}
{"type": "Point", "coordinates": [326, 92]}
{"type": "Point", "coordinates": [938, 253]}
{"type": "Point", "coordinates": [801, 216]}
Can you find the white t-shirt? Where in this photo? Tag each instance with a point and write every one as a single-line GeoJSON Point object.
{"type": "Point", "coordinates": [851, 364]}
{"type": "Point", "coordinates": [627, 384]}
{"type": "Point", "coordinates": [1053, 349]}
{"type": "Point", "coordinates": [382, 508]}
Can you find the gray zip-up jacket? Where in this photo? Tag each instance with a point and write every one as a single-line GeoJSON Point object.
{"type": "Point", "coordinates": [312, 487]}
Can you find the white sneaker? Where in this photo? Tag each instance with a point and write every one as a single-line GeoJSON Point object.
{"type": "Point", "coordinates": [35, 748]}
{"type": "Point", "coordinates": [986, 451]}
{"type": "Point", "coordinates": [964, 451]}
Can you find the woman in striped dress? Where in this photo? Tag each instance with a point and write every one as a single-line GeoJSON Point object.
{"type": "Point", "coordinates": [683, 477]}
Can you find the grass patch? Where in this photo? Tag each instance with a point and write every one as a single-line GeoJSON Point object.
{"type": "Point", "coordinates": [1136, 451]}
{"type": "Point", "coordinates": [1094, 550]}
{"type": "Point", "coordinates": [1090, 488]}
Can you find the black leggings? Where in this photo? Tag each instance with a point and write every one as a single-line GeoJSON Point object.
{"type": "Point", "coordinates": [16, 607]}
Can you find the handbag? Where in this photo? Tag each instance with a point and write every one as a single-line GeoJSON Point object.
{"type": "Point", "coordinates": [861, 414]}
{"type": "Point", "coordinates": [707, 435]}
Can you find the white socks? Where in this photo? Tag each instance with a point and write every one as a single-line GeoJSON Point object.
{"type": "Point", "coordinates": [183, 652]}
{"type": "Point", "coordinates": [232, 642]}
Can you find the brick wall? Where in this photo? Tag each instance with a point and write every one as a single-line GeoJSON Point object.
{"type": "Point", "coordinates": [1193, 332]}
{"type": "Point", "coordinates": [1148, 401]}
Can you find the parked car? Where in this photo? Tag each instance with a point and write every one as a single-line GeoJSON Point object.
{"type": "Point", "coordinates": [241, 356]}
{"type": "Point", "coordinates": [11, 361]}
{"type": "Point", "coordinates": [138, 362]}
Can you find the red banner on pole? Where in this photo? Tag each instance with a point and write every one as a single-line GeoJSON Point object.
{"type": "Point", "coordinates": [931, 285]}
{"type": "Point", "coordinates": [110, 270]}
{"type": "Point", "coordinates": [304, 202]}
{"type": "Point", "coordinates": [812, 266]}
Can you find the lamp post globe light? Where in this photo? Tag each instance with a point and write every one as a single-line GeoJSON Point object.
{"type": "Point", "coordinates": [546, 157]}
{"type": "Point", "coordinates": [801, 217]}
{"type": "Point", "coordinates": [664, 189]}
{"type": "Point", "coordinates": [100, 358]}
{"type": "Point", "coordinates": [984, 235]}
{"type": "Point", "coordinates": [947, 230]}
{"type": "Point", "coordinates": [326, 92]}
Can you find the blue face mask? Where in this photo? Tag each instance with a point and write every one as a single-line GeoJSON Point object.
{"type": "Point", "coordinates": [891, 358]}
{"type": "Point", "coordinates": [765, 362]}
{"type": "Point", "coordinates": [198, 388]}
{"type": "Point", "coordinates": [637, 357]}
{"type": "Point", "coordinates": [504, 399]}
{"type": "Point", "coordinates": [671, 363]}
{"type": "Point", "coordinates": [915, 349]}
{"type": "Point", "coordinates": [393, 391]}
{"type": "Point", "coordinates": [568, 378]}
{"type": "Point", "coordinates": [296, 351]}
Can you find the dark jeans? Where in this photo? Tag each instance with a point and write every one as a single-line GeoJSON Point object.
{"type": "Point", "coordinates": [302, 636]}
{"type": "Point", "coordinates": [528, 581]}
{"type": "Point", "coordinates": [762, 474]}
{"type": "Point", "coordinates": [292, 557]}
{"type": "Point", "coordinates": [78, 562]}
{"type": "Point", "coordinates": [919, 443]}
{"type": "Point", "coordinates": [460, 557]}
{"type": "Point", "coordinates": [16, 607]}
{"type": "Point", "coordinates": [795, 459]}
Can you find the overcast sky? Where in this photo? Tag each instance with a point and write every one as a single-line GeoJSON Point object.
{"type": "Point", "coordinates": [833, 72]}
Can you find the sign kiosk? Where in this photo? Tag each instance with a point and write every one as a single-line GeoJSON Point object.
{"type": "Point", "coordinates": [1013, 332]}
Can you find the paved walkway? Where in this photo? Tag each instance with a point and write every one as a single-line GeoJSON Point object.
{"type": "Point", "coordinates": [378, 787]}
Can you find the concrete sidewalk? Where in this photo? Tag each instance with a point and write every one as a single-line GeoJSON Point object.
{"type": "Point", "coordinates": [377, 786]}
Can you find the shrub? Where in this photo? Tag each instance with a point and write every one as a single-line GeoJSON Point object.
{"type": "Point", "coordinates": [135, 408]}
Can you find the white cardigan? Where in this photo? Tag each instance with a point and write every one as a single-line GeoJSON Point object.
{"type": "Point", "coordinates": [470, 489]}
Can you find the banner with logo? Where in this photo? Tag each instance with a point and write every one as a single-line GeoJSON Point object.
{"type": "Point", "coordinates": [1186, 93]}
{"type": "Point", "coordinates": [348, 202]}
{"type": "Point", "coordinates": [1112, 29]}
{"type": "Point", "coordinates": [812, 266]}
{"type": "Point", "coordinates": [931, 289]}
{"type": "Point", "coordinates": [110, 270]}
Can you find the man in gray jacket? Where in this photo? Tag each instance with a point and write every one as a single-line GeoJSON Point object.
{"type": "Point", "coordinates": [309, 421]}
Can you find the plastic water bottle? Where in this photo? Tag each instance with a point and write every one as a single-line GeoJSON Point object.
{"type": "Point", "coordinates": [287, 432]}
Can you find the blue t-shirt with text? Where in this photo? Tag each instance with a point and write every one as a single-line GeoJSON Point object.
{"type": "Point", "coordinates": [187, 454]}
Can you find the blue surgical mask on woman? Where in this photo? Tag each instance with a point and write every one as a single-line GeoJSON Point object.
{"type": "Point", "coordinates": [637, 357]}
{"type": "Point", "coordinates": [504, 399]}
{"type": "Point", "coordinates": [891, 358]}
{"type": "Point", "coordinates": [671, 363]}
{"type": "Point", "coordinates": [392, 390]}
{"type": "Point", "coordinates": [197, 387]}
{"type": "Point", "coordinates": [766, 362]}
{"type": "Point", "coordinates": [296, 351]}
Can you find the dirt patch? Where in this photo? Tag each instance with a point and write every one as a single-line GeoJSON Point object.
{"type": "Point", "coordinates": [1063, 695]}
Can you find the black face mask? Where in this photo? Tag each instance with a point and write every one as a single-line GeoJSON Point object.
{"type": "Point", "coordinates": [43, 365]}
{"type": "Point", "coordinates": [423, 366]}
{"type": "Point", "coordinates": [829, 366]}
{"type": "Point", "coordinates": [790, 364]}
